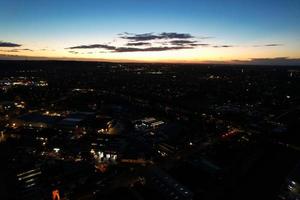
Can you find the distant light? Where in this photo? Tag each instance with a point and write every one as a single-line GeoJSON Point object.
{"type": "Point", "coordinates": [291, 187]}
{"type": "Point", "coordinates": [92, 151]}
{"type": "Point", "coordinates": [101, 154]}
{"type": "Point", "coordinates": [56, 150]}
{"type": "Point", "coordinates": [293, 182]}
{"type": "Point", "coordinates": [288, 97]}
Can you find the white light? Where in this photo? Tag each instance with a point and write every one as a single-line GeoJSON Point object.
{"type": "Point", "coordinates": [56, 150]}
{"type": "Point", "coordinates": [293, 182]}
{"type": "Point", "coordinates": [101, 155]}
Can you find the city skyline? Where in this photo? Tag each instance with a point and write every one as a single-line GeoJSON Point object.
{"type": "Point", "coordinates": [142, 31]}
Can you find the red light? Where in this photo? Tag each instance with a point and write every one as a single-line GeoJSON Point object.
{"type": "Point", "coordinates": [55, 195]}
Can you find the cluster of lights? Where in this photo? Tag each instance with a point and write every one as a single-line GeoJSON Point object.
{"type": "Point", "coordinates": [20, 104]}
{"type": "Point", "coordinates": [102, 157]}
{"type": "Point", "coordinates": [102, 131]}
{"type": "Point", "coordinates": [52, 114]}
{"type": "Point", "coordinates": [229, 133]}
{"type": "Point", "coordinates": [163, 154]}
{"type": "Point", "coordinates": [23, 81]}
{"type": "Point", "coordinates": [43, 140]}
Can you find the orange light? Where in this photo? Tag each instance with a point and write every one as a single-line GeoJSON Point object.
{"type": "Point", "coordinates": [55, 195]}
{"type": "Point", "coordinates": [102, 167]}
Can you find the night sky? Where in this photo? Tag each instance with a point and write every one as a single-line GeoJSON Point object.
{"type": "Point", "coordinates": [156, 30]}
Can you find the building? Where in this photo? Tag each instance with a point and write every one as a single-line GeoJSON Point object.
{"type": "Point", "coordinates": [34, 120]}
{"type": "Point", "coordinates": [75, 120]}
{"type": "Point", "coordinates": [167, 185]}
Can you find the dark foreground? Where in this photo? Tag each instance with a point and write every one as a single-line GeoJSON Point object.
{"type": "Point", "coordinates": [87, 130]}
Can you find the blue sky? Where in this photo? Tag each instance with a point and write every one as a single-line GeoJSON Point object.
{"type": "Point", "coordinates": [58, 24]}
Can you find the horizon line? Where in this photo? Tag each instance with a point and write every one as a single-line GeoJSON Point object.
{"type": "Point", "coordinates": [253, 61]}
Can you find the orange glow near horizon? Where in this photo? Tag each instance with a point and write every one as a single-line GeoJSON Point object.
{"type": "Point", "coordinates": [180, 56]}
{"type": "Point", "coordinates": [197, 55]}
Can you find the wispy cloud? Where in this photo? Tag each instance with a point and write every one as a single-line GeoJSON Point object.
{"type": "Point", "coordinates": [205, 37]}
{"type": "Point", "coordinates": [9, 44]}
{"type": "Point", "coordinates": [270, 61]}
{"type": "Point", "coordinates": [129, 49]}
{"type": "Point", "coordinates": [93, 46]}
{"type": "Point", "coordinates": [10, 51]}
{"type": "Point", "coordinates": [273, 45]}
{"type": "Point", "coordinates": [203, 44]}
{"type": "Point", "coordinates": [73, 52]}
{"type": "Point", "coordinates": [132, 49]}
{"type": "Point", "coordinates": [223, 46]}
{"type": "Point", "coordinates": [15, 50]}
{"type": "Point", "coordinates": [25, 49]}
{"type": "Point", "coordinates": [268, 45]}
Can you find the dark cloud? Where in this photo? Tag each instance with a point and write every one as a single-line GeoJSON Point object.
{"type": "Point", "coordinates": [273, 45]}
{"type": "Point", "coordinates": [73, 52]}
{"type": "Point", "coordinates": [176, 35]}
{"type": "Point", "coordinates": [205, 37]}
{"type": "Point", "coordinates": [186, 43]}
{"type": "Point", "coordinates": [182, 42]}
{"type": "Point", "coordinates": [152, 36]}
{"type": "Point", "coordinates": [9, 44]}
{"type": "Point", "coordinates": [268, 45]}
{"type": "Point", "coordinates": [93, 46]}
{"type": "Point", "coordinates": [203, 44]}
{"type": "Point", "coordinates": [16, 50]}
{"type": "Point", "coordinates": [270, 61]}
{"type": "Point", "coordinates": [133, 49]}
{"type": "Point", "coordinates": [223, 46]}
{"type": "Point", "coordinates": [138, 43]}
{"type": "Point", "coordinates": [140, 37]}
{"type": "Point", "coordinates": [177, 45]}
{"type": "Point", "coordinates": [164, 41]}
{"type": "Point", "coordinates": [25, 49]}
{"type": "Point", "coordinates": [10, 51]}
